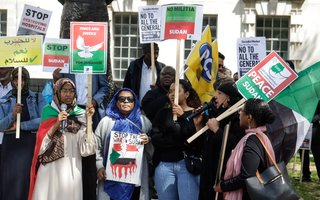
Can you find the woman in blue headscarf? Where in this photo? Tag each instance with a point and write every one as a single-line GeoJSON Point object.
{"type": "Point", "coordinates": [122, 115]}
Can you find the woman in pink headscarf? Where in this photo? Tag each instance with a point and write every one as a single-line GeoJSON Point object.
{"type": "Point", "coordinates": [249, 154]}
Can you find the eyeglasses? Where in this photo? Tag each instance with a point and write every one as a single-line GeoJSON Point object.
{"type": "Point", "coordinates": [123, 99]}
{"type": "Point", "coordinates": [65, 91]}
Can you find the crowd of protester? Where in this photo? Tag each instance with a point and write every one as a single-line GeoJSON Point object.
{"type": "Point", "coordinates": [47, 161]}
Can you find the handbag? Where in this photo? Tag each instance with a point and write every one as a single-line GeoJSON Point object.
{"type": "Point", "coordinates": [193, 163]}
{"type": "Point", "coordinates": [272, 183]}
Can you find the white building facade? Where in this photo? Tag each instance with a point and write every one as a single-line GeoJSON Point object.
{"type": "Point", "coordinates": [291, 28]}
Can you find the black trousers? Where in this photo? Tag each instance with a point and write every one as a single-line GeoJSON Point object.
{"type": "Point", "coordinates": [315, 146]}
{"type": "Point", "coordinates": [306, 164]}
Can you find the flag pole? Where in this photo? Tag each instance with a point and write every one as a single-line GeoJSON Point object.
{"type": "Point", "coordinates": [225, 114]}
{"type": "Point", "coordinates": [153, 64]}
{"type": "Point", "coordinates": [176, 85]}
{"type": "Point", "coordinates": [89, 102]}
{"type": "Point", "coordinates": [19, 102]}
{"type": "Point", "coordinates": [222, 153]}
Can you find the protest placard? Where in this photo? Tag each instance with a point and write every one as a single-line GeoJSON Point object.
{"type": "Point", "coordinates": [150, 24]}
{"type": "Point", "coordinates": [21, 50]}
{"type": "Point", "coordinates": [56, 55]}
{"type": "Point", "coordinates": [88, 47]}
{"type": "Point", "coordinates": [34, 21]}
{"type": "Point", "coordinates": [250, 52]}
{"type": "Point", "coordinates": [182, 21]}
{"type": "Point", "coordinates": [267, 79]}
{"type": "Point", "coordinates": [124, 161]}
{"type": "Point", "coordinates": [306, 144]}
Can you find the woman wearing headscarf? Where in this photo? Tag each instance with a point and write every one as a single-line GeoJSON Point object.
{"type": "Point", "coordinates": [17, 152]}
{"type": "Point", "coordinates": [122, 115]}
{"type": "Point", "coordinates": [61, 143]}
{"type": "Point", "coordinates": [249, 154]}
{"type": "Point", "coordinates": [172, 179]}
{"type": "Point", "coordinates": [226, 96]}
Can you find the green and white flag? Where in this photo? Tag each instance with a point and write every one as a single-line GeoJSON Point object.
{"type": "Point", "coordinates": [303, 94]}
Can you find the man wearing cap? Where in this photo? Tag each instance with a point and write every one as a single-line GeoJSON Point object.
{"type": "Point", "coordinates": [134, 79]}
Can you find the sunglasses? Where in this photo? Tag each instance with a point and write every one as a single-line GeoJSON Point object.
{"type": "Point", "coordinates": [123, 99]}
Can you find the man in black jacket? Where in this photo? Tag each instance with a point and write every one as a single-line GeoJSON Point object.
{"type": "Point", "coordinates": [156, 98]}
{"type": "Point", "coordinates": [134, 79]}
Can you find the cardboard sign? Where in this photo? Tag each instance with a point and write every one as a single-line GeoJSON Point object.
{"type": "Point", "coordinates": [250, 52]}
{"type": "Point", "coordinates": [21, 50]}
{"type": "Point", "coordinates": [56, 55]}
{"type": "Point", "coordinates": [182, 21]}
{"type": "Point", "coordinates": [88, 47]}
{"type": "Point", "coordinates": [267, 79]}
{"type": "Point", "coordinates": [124, 161]}
{"type": "Point", "coordinates": [306, 144]}
{"type": "Point", "coordinates": [150, 24]}
{"type": "Point", "coordinates": [34, 21]}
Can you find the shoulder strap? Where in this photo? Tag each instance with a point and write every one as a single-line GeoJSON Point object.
{"type": "Point", "coordinates": [268, 153]}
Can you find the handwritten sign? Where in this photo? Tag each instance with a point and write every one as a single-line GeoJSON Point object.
{"type": "Point", "coordinates": [34, 21]}
{"type": "Point", "coordinates": [88, 47]}
{"type": "Point", "coordinates": [182, 21]}
{"type": "Point", "coordinates": [125, 158]}
{"type": "Point", "coordinates": [267, 79]}
{"type": "Point", "coordinates": [56, 55]}
{"type": "Point", "coordinates": [21, 50]}
{"type": "Point", "coordinates": [250, 52]}
{"type": "Point", "coordinates": [150, 24]}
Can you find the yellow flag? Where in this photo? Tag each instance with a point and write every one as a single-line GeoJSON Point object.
{"type": "Point", "coordinates": [202, 64]}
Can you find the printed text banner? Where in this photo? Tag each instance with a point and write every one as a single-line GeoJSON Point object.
{"type": "Point", "coordinates": [250, 52]}
{"type": "Point", "coordinates": [88, 47]}
{"type": "Point", "coordinates": [21, 50]}
{"type": "Point", "coordinates": [267, 79]}
{"type": "Point", "coordinates": [182, 21]}
{"type": "Point", "coordinates": [150, 24]}
{"type": "Point", "coordinates": [34, 21]}
{"type": "Point", "coordinates": [56, 55]}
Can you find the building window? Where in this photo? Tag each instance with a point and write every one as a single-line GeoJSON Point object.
{"type": "Point", "coordinates": [126, 43]}
{"type": "Point", "coordinates": [3, 22]}
{"type": "Point", "coordinates": [276, 30]}
{"type": "Point", "coordinates": [210, 20]}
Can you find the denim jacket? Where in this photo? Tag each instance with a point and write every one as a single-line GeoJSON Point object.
{"type": "Point", "coordinates": [7, 103]}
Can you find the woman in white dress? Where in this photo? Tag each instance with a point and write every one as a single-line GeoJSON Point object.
{"type": "Point", "coordinates": [56, 171]}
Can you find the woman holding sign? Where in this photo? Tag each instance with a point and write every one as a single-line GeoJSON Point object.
{"type": "Point", "coordinates": [17, 152]}
{"type": "Point", "coordinates": [172, 178]}
{"type": "Point", "coordinates": [61, 143]}
{"type": "Point", "coordinates": [123, 145]}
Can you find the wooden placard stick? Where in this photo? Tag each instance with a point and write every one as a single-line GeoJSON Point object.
{"type": "Point", "coordinates": [176, 83]}
{"type": "Point", "coordinates": [19, 101]}
{"type": "Point", "coordinates": [222, 152]}
{"type": "Point", "coordinates": [89, 102]}
{"type": "Point", "coordinates": [225, 114]}
{"type": "Point", "coordinates": [231, 110]}
{"type": "Point", "coordinates": [153, 64]}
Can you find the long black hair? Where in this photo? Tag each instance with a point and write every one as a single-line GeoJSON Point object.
{"type": "Point", "coordinates": [193, 99]}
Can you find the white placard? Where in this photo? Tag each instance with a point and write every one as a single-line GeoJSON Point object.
{"type": "Point", "coordinates": [250, 52]}
{"type": "Point", "coordinates": [125, 158]}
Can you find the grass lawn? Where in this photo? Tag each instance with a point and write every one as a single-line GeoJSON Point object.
{"type": "Point", "coordinates": [306, 190]}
